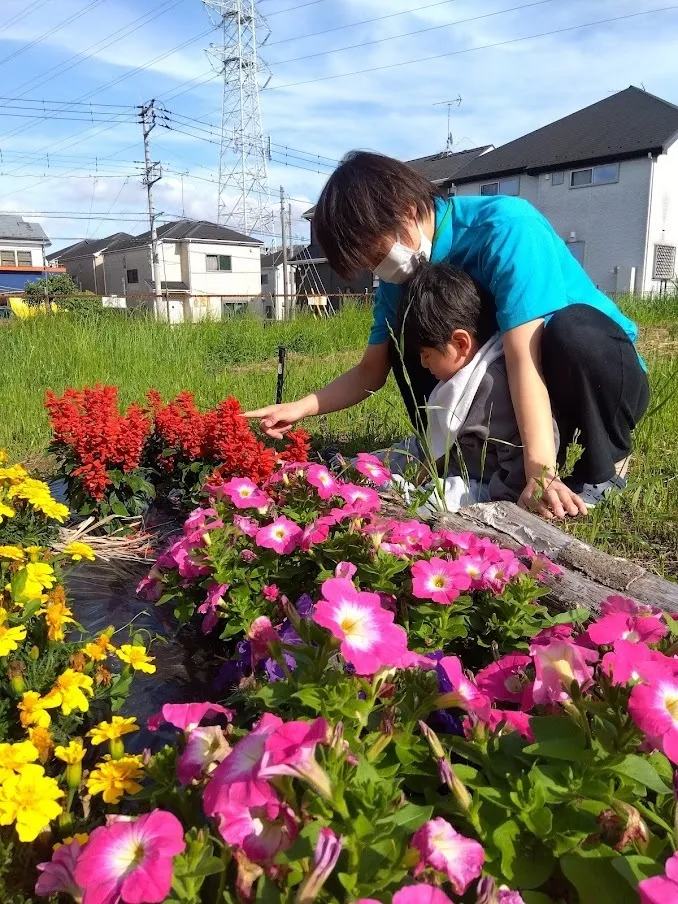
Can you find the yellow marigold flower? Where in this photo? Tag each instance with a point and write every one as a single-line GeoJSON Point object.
{"type": "Point", "coordinates": [15, 553]}
{"type": "Point", "coordinates": [71, 690]}
{"type": "Point", "coordinates": [13, 474]}
{"type": "Point", "coordinates": [113, 730]}
{"type": "Point", "coordinates": [78, 551]}
{"type": "Point", "coordinates": [81, 837]}
{"type": "Point", "coordinates": [10, 638]}
{"type": "Point", "coordinates": [33, 709]}
{"type": "Point", "coordinates": [41, 573]}
{"type": "Point", "coordinates": [99, 649]}
{"type": "Point", "coordinates": [73, 754]}
{"type": "Point", "coordinates": [13, 757]}
{"type": "Point", "coordinates": [6, 511]}
{"type": "Point", "coordinates": [29, 800]}
{"type": "Point", "coordinates": [4, 457]}
{"type": "Point", "coordinates": [42, 740]}
{"type": "Point", "coordinates": [30, 581]}
{"type": "Point", "coordinates": [33, 552]}
{"type": "Point", "coordinates": [57, 614]}
{"type": "Point", "coordinates": [113, 778]}
{"type": "Point", "coordinates": [137, 658]}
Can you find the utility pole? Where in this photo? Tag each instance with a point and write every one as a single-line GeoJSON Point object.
{"type": "Point", "coordinates": [283, 226]}
{"type": "Point", "coordinates": [152, 174]}
{"type": "Point", "coordinates": [449, 104]}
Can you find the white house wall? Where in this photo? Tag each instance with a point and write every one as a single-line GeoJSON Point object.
{"type": "Point", "coordinates": [611, 219]}
{"type": "Point", "coordinates": [663, 229]}
{"type": "Point", "coordinates": [37, 251]}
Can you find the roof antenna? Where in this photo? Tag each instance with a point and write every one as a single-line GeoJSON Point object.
{"type": "Point", "coordinates": [449, 104]}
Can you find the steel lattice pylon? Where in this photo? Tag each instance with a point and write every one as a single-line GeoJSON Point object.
{"type": "Point", "coordinates": [244, 199]}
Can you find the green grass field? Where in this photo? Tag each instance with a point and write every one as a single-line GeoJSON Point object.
{"type": "Point", "coordinates": [238, 357]}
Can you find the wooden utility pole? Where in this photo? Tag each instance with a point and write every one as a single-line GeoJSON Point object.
{"type": "Point", "coordinates": [286, 282]}
{"type": "Point", "coordinates": [152, 175]}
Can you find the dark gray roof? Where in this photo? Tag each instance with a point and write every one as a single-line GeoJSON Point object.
{"type": "Point", "coordinates": [13, 227]}
{"type": "Point", "coordinates": [89, 247]}
{"type": "Point", "coordinates": [274, 258]}
{"type": "Point", "coordinates": [444, 167]}
{"type": "Point", "coordinates": [439, 168]}
{"type": "Point", "coordinates": [631, 123]}
{"type": "Point", "coordinates": [202, 230]}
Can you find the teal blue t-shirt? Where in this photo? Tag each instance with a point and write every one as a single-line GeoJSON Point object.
{"type": "Point", "coordinates": [513, 251]}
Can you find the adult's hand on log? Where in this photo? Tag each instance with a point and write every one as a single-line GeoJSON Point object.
{"type": "Point", "coordinates": [277, 420]}
{"type": "Point", "coordinates": [551, 498]}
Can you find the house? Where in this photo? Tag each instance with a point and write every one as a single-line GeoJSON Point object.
{"type": "Point", "coordinates": [205, 270]}
{"type": "Point", "coordinates": [84, 261]}
{"type": "Point", "coordinates": [441, 169]}
{"type": "Point", "coordinates": [606, 177]}
{"type": "Point", "coordinates": [22, 253]}
{"type": "Point", "coordinates": [273, 281]}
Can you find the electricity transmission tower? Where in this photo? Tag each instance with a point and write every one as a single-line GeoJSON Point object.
{"type": "Point", "coordinates": [244, 200]}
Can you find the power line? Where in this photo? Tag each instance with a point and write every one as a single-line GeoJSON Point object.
{"type": "Point", "coordinates": [289, 9]}
{"type": "Point", "coordinates": [409, 34]}
{"type": "Point", "coordinates": [33, 7]}
{"type": "Point", "coordinates": [439, 56]}
{"type": "Point", "coordinates": [50, 31]}
{"type": "Point", "coordinates": [95, 48]}
{"type": "Point", "coordinates": [326, 31]}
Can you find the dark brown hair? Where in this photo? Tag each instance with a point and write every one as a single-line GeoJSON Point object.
{"type": "Point", "coordinates": [440, 299]}
{"type": "Point", "coordinates": [366, 198]}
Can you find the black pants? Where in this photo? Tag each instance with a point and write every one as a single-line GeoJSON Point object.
{"type": "Point", "coordinates": [594, 379]}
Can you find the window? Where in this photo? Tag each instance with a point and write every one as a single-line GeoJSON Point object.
{"type": "Point", "coordinates": [230, 307]}
{"type": "Point", "coordinates": [557, 178]}
{"type": "Point", "coordinates": [595, 175]}
{"type": "Point", "coordinates": [216, 262]}
{"type": "Point", "coordinates": [24, 258]}
{"type": "Point", "coordinates": [577, 251]}
{"type": "Point", "coordinates": [504, 187]}
{"type": "Point", "coordinates": [132, 276]}
{"type": "Point", "coordinates": [7, 259]}
{"type": "Point", "coordinates": [664, 262]}
{"type": "Point", "coordinates": [264, 279]}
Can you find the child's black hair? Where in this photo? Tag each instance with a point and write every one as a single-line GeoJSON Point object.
{"type": "Point", "coordinates": [368, 197]}
{"type": "Point", "coordinates": [440, 299]}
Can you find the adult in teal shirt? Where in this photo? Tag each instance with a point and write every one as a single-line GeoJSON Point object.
{"type": "Point", "coordinates": [569, 349]}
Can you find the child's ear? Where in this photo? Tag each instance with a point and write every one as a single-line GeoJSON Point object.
{"type": "Point", "coordinates": [463, 340]}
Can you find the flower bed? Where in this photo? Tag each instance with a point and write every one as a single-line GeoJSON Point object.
{"type": "Point", "coordinates": [400, 720]}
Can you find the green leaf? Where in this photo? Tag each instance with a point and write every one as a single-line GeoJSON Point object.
{"type": "Point", "coordinates": [540, 822]}
{"type": "Point", "coordinates": [118, 508]}
{"type": "Point", "coordinates": [557, 738]}
{"type": "Point", "coordinates": [635, 868]}
{"type": "Point", "coordinates": [536, 897]}
{"type": "Point", "coordinates": [524, 860]}
{"type": "Point", "coordinates": [411, 817]}
{"type": "Point", "coordinates": [641, 770]}
{"type": "Point", "coordinates": [594, 876]}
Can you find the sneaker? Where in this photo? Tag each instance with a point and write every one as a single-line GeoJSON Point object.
{"type": "Point", "coordinates": [593, 493]}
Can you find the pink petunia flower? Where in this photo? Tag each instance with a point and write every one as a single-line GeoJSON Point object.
{"type": "Point", "coordinates": [260, 823]}
{"type": "Point", "coordinates": [359, 500]}
{"type": "Point", "coordinates": [316, 532]}
{"type": "Point", "coordinates": [539, 563]}
{"type": "Point", "coordinates": [323, 480]}
{"type": "Point", "coordinates": [513, 721]}
{"type": "Point", "coordinates": [501, 572]}
{"type": "Point", "coordinates": [636, 662]}
{"type": "Point", "coordinates": [58, 874]}
{"type": "Point", "coordinates": [214, 601]}
{"type": "Point", "coordinates": [282, 536]}
{"type": "Point", "coordinates": [248, 526]}
{"type": "Point", "coordinates": [654, 709]}
{"type": "Point", "coordinates": [369, 639]}
{"type": "Point", "coordinates": [614, 605]}
{"type": "Point", "coordinates": [327, 851]}
{"type": "Point", "coordinates": [205, 748]}
{"type": "Point", "coordinates": [457, 691]}
{"type": "Point", "coordinates": [420, 894]}
{"type": "Point", "coordinates": [506, 896]}
{"type": "Point", "coordinates": [131, 861]}
{"type": "Point", "coordinates": [345, 570]}
{"type": "Point", "coordinates": [270, 592]}
{"type": "Point", "coordinates": [661, 889]}
{"type": "Point", "coordinates": [373, 468]}
{"type": "Point", "coordinates": [261, 636]}
{"type": "Point", "coordinates": [415, 536]}
{"type": "Point", "coordinates": [150, 587]}
{"type": "Point", "coordinates": [440, 846]}
{"type": "Point", "coordinates": [244, 494]}
{"type": "Point", "coordinates": [622, 626]}
{"type": "Point", "coordinates": [187, 716]}
{"type": "Point", "coordinates": [557, 665]}
{"type": "Point", "coordinates": [439, 580]}
{"type": "Point", "coordinates": [505, 680]}
{"type": "Point", "coordinates": [557, 632]}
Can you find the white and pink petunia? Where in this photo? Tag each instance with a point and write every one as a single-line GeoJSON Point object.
{"type": "Point", "coordinates": [458, 691]}
{"type": "Point", "coordinates": [205, 749]}
{"type": "Point", "coordinates": [439, 580]}
{"type": "Point", "coordinates": [506, 680]}
{"type": "Point", "coordinates": [654, 709]}
{"type": "Point", "coordinates": [622, 626]}
{"type": "Point", "coordinates": [415, 536]}
{"type": "Point", "coordinates": [325, 483]}
{"type": "Point", "coordinates": [131, 860]}
{"type": "Point", "coordinates": [282, 536]}
{"type": "Point", "coordinates": [187, 716]}
{"type": "Point", "coordinates": [444, 849]}
{"type": "Point", "coordinates": [244, 493]}
{"type": "Point", "coordinates": [256, 821]}
{"type": "Point", "coordinates": [557, 665]}
{"type": "Point", "coordinates": [373, 468]}
{"type": "Point", "coordinates": [359, 500]}
{"type": "Point", "coordinates": [661, 889]}
{"type": "Point", "coordinates": [369, 639]}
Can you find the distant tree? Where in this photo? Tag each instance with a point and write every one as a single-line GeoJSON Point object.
{"type": "Point", "coordinates": [62, 289]}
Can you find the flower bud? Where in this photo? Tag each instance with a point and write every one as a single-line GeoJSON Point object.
{"type": "Point", "coordinates": [433, 741]}
{"type": "Point", "coordinates": [34, 653]}
{"type": "Point", "coordinates": [18, 684]}
{"type": "Point", "coordinates": [73, 776]}
{"type": "Point", "coordinates": [454, 783]}
{"type": "Point", "coordinates": [116, 748]}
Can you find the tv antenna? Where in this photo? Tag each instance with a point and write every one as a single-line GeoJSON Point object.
{"type": "Point", "coordinates": [449, 104]}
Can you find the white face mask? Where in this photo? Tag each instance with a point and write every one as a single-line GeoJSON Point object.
{"type": "Point", "coordinates": [401, 262]}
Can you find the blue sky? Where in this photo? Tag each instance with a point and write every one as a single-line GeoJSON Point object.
{"type": "Point", "coordinates": [78, 167]}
